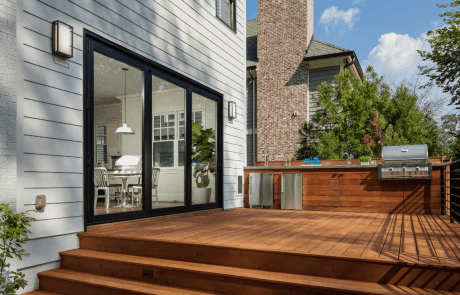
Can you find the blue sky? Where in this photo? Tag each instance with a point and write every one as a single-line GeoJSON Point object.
{"type": "Point", "coordinates": [384, 34]}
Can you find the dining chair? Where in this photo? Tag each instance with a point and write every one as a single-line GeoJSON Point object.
{"type": "Point", "coordinates": [138, 186]}
{"type": "Point", "coordinates": [101, 182]}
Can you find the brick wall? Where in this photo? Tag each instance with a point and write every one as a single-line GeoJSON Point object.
{"type": "Point", "coordinates": [8, 102]}
{"type": "Point", "coordinates": [284, 30]}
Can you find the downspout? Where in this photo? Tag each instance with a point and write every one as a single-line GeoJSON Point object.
{"type": "Point", "coordinates": [253, 119]}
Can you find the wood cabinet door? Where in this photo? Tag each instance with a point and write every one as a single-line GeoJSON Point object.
{"type": "Point", "coordinates": [113, 139]}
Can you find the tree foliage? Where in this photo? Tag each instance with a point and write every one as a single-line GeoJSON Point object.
{"type": "Point", "coordinates": [360, 117]}
{"type": "Point", "coordinates": [13, 234]}
{"type": "Point", "coordinates": [445, 54]}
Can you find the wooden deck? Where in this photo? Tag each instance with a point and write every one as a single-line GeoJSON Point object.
{"type": "Point", "coordinates": [427, 239]}
{"type": "Point", "coordinates": [263, 252]}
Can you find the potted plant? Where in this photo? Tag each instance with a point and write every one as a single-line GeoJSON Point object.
{"type": "Point", "coordinates": [204, 158]}
{"type": "Point", "coordinates": [365, 160]}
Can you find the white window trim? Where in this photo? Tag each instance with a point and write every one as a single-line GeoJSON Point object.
{"type": "Point", "coordinates": [176, 113]}
{"type": "Point", "coordinates": [96, 144]}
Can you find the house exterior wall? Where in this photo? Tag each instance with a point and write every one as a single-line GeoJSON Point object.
{"type": "Point", "coordinates": [284, 30]}
{"type": "Point", "coordinates": [250, 142]}
{"type": "Point", "coordinates": [316, 77]}
{"type": "Point", "coordinates": [8, 104]}
{"type": "Point", "coordinates": [182, 35]}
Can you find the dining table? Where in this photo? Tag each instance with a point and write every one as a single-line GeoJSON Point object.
{"type": "Point", "coordinates": [124, 175]}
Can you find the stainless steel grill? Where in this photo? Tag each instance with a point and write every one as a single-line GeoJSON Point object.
{"type": "Point", "coordinates": [405, 162]}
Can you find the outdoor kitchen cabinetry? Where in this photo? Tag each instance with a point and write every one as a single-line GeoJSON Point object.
{"type": "Point", "coordinates": [356, 188]}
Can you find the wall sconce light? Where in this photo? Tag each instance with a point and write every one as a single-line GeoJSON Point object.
{"type": "Point", "coordinates": [294, 115]}
{"type": "Point", "coordinates": [232, 110]}
{"type": "Point", "coordinates": [62, 39]}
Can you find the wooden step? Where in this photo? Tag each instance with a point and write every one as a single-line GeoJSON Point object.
{"type": "Point", "coordinates": [41, 292]}
{"type": "Point", "coordinates": [387, 272]}
{"type": "Point", "coordinates": [70, 282]}
{"type": "Point", "coordinates": [216, 278]}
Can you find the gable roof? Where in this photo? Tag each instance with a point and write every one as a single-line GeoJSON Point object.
{"type": "Point", "coordinates": [319, 48]}
{"type": "Point", "coordinates": [316, 50]}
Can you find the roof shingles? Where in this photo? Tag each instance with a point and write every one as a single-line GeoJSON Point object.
{"type": "Point", "coordinates": [317, 47]}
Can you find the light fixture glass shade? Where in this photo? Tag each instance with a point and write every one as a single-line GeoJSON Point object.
{"type": "Point", "coordinates": [62, 39]}
{"type": "Point", "coordinates": [124, 129]}
{"type": "Point", "coordinates": [232, 110]}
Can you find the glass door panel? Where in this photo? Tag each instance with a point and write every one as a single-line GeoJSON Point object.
{"type": "Point", "coordinates": [204, 150]}
{"type": "Point", "coordinates": [118, 99]}
{"type": "Point", "coordinates": [168, 146]}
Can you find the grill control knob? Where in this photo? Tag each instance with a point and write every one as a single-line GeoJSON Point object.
{"type": "Point", "coordinates": [417, 168]}
{"type": "Point", "coordinates": [391, 169]}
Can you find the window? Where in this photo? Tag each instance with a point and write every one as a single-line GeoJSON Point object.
{"type": "Point", "coordinates": [225, 11]}
{"type": "Point", "coordinates": [240, 184]}
{"type": "Point", "coordinates": [101, 144]}
{"type": "Point", "coordinates": [164, 137]}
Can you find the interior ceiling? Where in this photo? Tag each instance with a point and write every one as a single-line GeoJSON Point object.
{"type": "Point", "coordinates": [109, 80]}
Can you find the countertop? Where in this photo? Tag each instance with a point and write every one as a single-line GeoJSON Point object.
{"type": "Point", "coordinates": [322, 167]}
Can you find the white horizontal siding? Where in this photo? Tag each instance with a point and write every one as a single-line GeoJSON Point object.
{"type": "Point", "coordinates": [51, 95]}
{"type": "Point", "coordinates": [57, 211]}
{"type": "Point", "coordinates": [49, 146]}
{"type": "Point", "coordinates": [47, 228]}
{"type": "Point", "coordinates": [183, 35]}
{"type": "Point", "coordinates": [38, 110]}
{"type": "Point", "coordinates": [46, 163]}
{"type": "Point", "coordinates": [47, 249]}
{"type": "Point", "coordinates": [53, 195]}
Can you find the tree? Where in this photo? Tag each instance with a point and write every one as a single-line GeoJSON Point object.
{"type": "Point", "coordinates": [360, 118]}
{"type": "Point", "coordinates": [445, 54]}
{"type": "Point", "coordinates": [449, 135]}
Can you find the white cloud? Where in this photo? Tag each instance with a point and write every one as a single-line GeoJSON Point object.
{"type": "Point", "coordinates": [396, 57]}
{"type": "Point", "coordinates": [397, 53]}
{"type": "Point", "coordinates": [357, 1]}
{"type": "Point", "coordinates": [332, 16]}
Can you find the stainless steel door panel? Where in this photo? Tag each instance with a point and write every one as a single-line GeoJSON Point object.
{"type": "Point", "coordinates": [254, 186]}
{"type": "Point", "coordinates": [267, 190]}
{"type": "Point", "coordinates": [261, 189]}
{"type": "Point", "coordinates": [291, 191]}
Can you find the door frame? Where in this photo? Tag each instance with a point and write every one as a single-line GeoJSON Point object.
{"type": "Point", "coordinates": [93, 42]}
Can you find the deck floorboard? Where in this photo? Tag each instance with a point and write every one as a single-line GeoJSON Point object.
{"type": "Point", "coordinates": [427, 239]}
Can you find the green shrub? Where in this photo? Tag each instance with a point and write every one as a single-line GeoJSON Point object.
{"type": "Point", "coordinates": [365, 159]}
{"type": "Point", "coordinates": [13, 234]}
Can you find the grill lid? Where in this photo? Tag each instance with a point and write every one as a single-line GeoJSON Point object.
{"type": "Point", "coordinates": [405, 153]}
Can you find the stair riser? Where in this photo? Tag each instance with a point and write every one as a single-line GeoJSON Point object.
{"type": "Point", "coordinates": [177, 278]}
{"type": "Point", "coordinates": [441, 278]}
{"type": "Point", "coordinates": [65, 287]}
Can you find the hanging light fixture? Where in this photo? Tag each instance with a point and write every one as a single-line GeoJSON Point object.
{"type": "Point", "coordinates": [125, 129]}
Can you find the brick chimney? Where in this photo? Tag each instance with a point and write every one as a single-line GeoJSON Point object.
{"type": "Point", "coordinates": [284, 31]}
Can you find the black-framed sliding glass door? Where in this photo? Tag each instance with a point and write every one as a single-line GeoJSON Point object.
{"type": "Point", "coordinates": [153, 138]}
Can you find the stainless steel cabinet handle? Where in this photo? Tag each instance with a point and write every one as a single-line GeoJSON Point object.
{"type": "Point", "coordinates": [282, 184]}
{"type": "Point", "coordinates": [250, 184]}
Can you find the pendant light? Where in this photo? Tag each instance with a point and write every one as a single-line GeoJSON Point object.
{"type": "Point", "coordinates": [125, 129]}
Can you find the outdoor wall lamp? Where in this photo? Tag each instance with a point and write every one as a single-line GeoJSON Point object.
{"type": "Point", "coordinates": [231, 110]}
{"type": "Point", "coordinates": [62, 39]}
